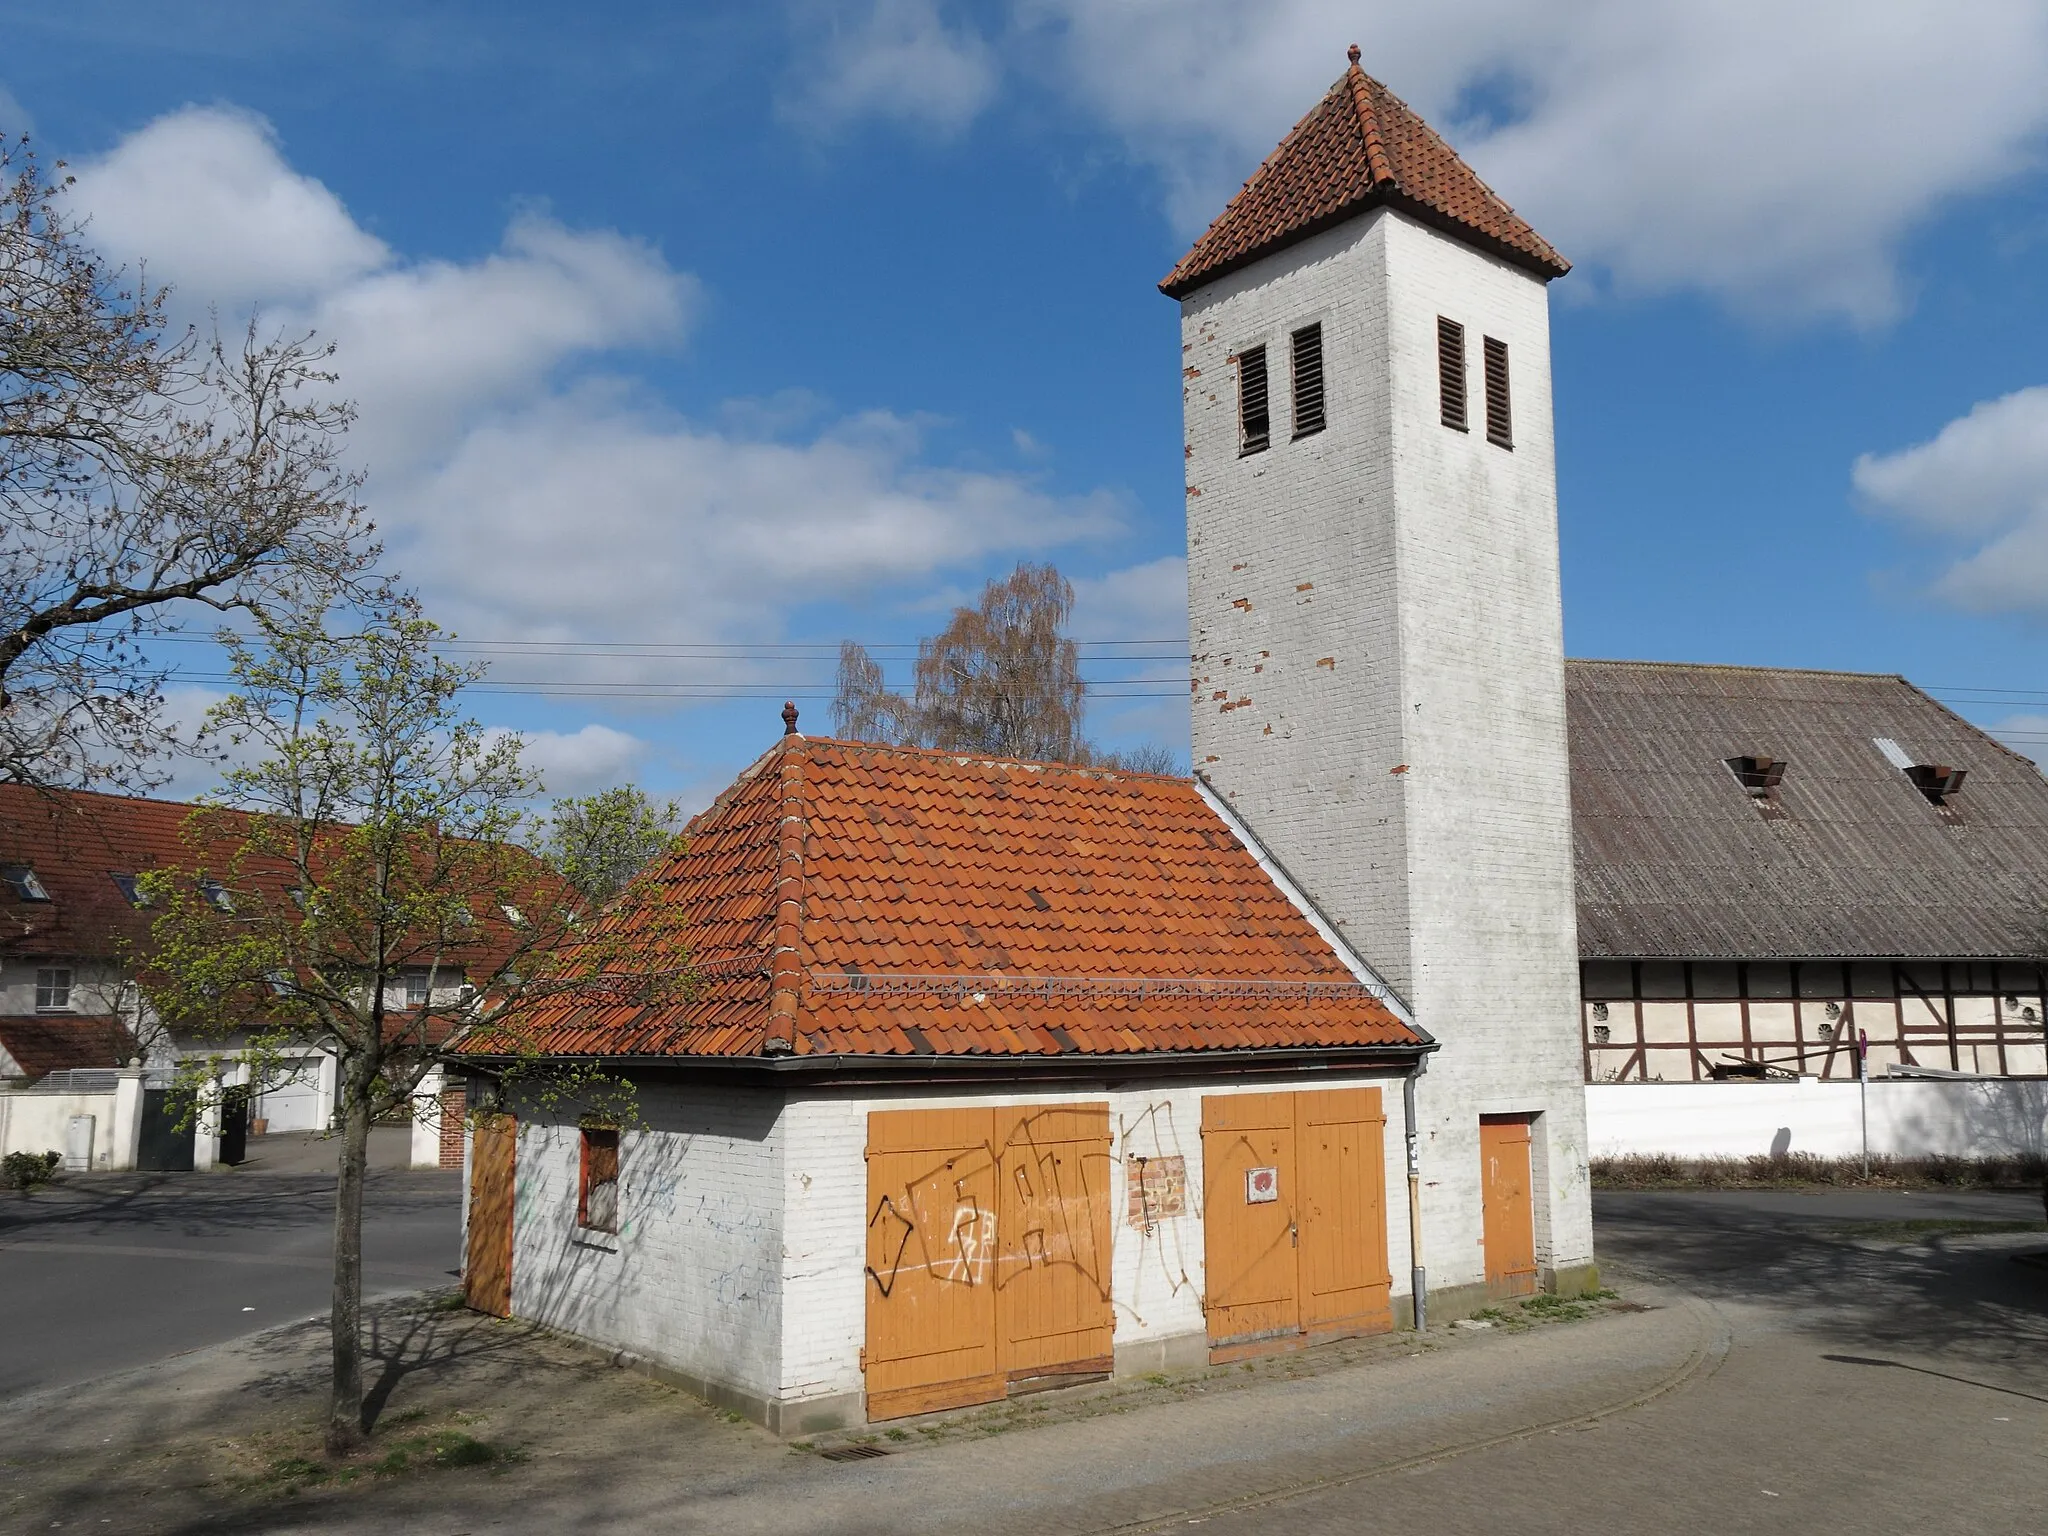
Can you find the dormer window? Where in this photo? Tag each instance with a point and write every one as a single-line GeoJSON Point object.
{"type": "Point", "coordinates": [130, 888]}
{"type": "Point", "coordinates": [1759, 777]}
{"type": "Point", "coordinates": [23, 879]}
{"type": "Point", "coordinates": [216, 896]}
{"type": "Point", "coordinates": [1937, 781]}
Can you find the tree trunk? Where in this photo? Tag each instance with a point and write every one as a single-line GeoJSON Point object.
{"type": "Point", "coordinates": [345, 1431]}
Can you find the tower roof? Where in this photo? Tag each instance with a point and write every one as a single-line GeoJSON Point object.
{"type": "Point", "coordinates": [1360, 147]}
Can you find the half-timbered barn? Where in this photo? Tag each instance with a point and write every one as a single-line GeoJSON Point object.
{"type": "Point", "coordinates": [1777, 868]}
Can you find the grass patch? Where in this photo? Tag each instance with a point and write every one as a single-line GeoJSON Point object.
{"type": "Point", "coordinates": [448, 1447]}
{"type": "Point", "coordinates": [1806, 1170]}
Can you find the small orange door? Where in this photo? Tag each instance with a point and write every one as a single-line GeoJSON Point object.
{"type": "Point", "coordinates": [933, 1212]}
{"type": "Point", "coordinates": [493, 1168]}
{"type": "Point", "coordinates": [1510, 1208]}
{"type": "Point", "coordinates": [1340, 1142]}
{"type": "Point", "coordinates": [1053, 1243]}
{"type": "Point", "coordinates": [1249, 1217]}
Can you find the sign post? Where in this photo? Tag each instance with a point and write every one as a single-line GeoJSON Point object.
{"type": "Point", "coordinates": [1863, 1092]}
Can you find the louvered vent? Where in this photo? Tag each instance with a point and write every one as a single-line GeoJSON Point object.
{"type": "Point", "coordinates": [1308, 380]}
{"type": "Point", "coordinates": [1450, 370]}
{"type": "Point", "coordinates": [1500, 425]}
{"type": "Point", "coordinates": [1254, 411]}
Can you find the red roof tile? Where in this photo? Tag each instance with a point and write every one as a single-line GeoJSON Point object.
{"type": "Point", "coordinates": [43, 1043]}
{"type": "Point", "coordinates": [845, 898]}
{"type": "Point", "coordinates": [1360, 147]}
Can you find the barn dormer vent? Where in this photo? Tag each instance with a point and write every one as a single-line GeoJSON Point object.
{"type": "Point", "coordinates": [1937, 781]}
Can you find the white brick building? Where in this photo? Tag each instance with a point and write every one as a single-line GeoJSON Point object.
{"type": "Point", "coordinates": [1001, 1073]}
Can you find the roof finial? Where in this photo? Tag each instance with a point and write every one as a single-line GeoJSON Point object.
{"type": "Point", "coordinates": [789, 717]}
{"type": "Point", "coordinates": [1352, 53]}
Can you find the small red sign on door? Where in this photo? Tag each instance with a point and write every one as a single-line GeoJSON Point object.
{"type": "Point", "coordinates": [1261, 1186]}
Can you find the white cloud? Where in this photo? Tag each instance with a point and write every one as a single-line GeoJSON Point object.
{"type": "Point", "coordinates": [1983, 479]}
{"type": "Point", "coordinates": [524, 486]}
{"type": "Point", "coordinates": [581, 762]}
{"type": "Point", "coordinates": [1773, 156]}
{"type": "Point", "coordinates": [1139, 602]}
{"type": "Point", "coordinates": [892, 59]}
{"type": "Point", "coordinates": [205, 197]}
{"type": "Point", "coordinates": [15, 119]}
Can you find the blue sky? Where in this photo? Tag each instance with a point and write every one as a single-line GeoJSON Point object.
{"type": "Point", "coordinates": [742, 327]}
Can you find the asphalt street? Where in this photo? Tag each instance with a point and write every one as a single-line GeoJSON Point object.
{"type": "Point", "coordinates": [103, 1273]}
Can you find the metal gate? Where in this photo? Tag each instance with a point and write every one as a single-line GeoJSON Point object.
{"type": "Point", "coordinates": [170, 1122]}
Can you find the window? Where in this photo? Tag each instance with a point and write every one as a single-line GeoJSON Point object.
{"type": "Point", "coordinates": [418, 989]}
{"type": "Point", "coordinates": [216, 896]}
{"type": "Point", "coordinates": [597, 1199]}
{"type": "Point", "coordinates": [1254, 413]}
{"type": "Point", "coordinates": [53, 989]}
{"type": "Point", "coordinates": [1308, 380]}
{"type": "Point", "coordinates": [1450, 371]}
{"type": "Point", "coordinates": [24, 881]}
{"type": "Point", "coordinates": [130, 889]}
{"type": "Point", "coordinates": [1500, 426]}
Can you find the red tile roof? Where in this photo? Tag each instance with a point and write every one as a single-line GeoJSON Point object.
{"type": "Point", "coordinates": [76, 841]}
{"type": "Point", "coordinates": [1360, 147]}
{"type": "Point", "coordinates": [44, 1043]}
{"type": "Point", "coordinates": [846, 898]}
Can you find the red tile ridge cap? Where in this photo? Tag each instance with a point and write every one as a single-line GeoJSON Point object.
{"type": "Point", "coordinates": [1369, 124]}
{"type": "Point", "coordinates": [964, 755]}
{"type": "Point", "coordinates": [785, 965]}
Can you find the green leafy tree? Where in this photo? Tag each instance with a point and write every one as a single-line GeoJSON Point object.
{"type": "Point", "coordinates": [144, 476]}
{"type": "Point", "coordinates": [1002, 678]}
{"type": "Point", "coordinates": [600, 842]}
{"type": "Point", "coordinates": [359, 887]}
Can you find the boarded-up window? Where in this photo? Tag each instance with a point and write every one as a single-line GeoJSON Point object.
{"type": "Point", "coordinates": [1450, 371]}
{"type": "Point", "coordinates": [597, 1203]}
{"type": "Point", "coordinates": [1500, 426]}
{"type": "Point", "coordinates": [1254, 402]}
{"type": "Point", "coordinates": [1308, 380]}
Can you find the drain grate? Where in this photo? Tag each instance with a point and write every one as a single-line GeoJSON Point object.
{"type": "Point", "coordinates": [852, 1452]}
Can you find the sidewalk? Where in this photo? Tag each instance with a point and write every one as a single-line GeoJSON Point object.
{"type": "Point", "coordinates": [200, 1441]}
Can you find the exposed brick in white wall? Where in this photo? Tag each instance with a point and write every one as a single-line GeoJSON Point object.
{"type": "Point", "coordinates": [694, 1276]}
{"type": "Point", "coordinates": [1378, 652]}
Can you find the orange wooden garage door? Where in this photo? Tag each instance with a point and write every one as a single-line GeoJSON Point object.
{"type": "Point", "coordinates": [987, 1252]}
{"type": "Point", "coordinates": [493, 1166]}
{"type": "Point", "coordinates": [1510, 1208]}
{"type": "Point", "coordinates": [1294, 1216]}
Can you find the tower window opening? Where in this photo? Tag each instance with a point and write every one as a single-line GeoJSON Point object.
{"type": "Point", "coordinates": [1308, 380]}
{"type": "Point", "coordinates": [1254, 408]}
{"type": "Point", "coordinates": [1450, 371]}
{"type": "Point", "coordinates": [1500, 426]}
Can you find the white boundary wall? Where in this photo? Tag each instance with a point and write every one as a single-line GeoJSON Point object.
{"type": "Point", "coordinates": [1909, 1117]}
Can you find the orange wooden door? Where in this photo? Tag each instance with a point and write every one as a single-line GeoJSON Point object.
{"type": "Point", "coordinates": [1053, 1242]}
{"type": "Point", "coordinates": [933, 1220]}
{"type": "Point", "coordinates": [1340, 1142]}
{"type": "Point", "coordinates": [1510, 1208]}
{"type": "Point", "coordinates": [493, 1169]}
{"type": "Point", "coordinates": [1249, 1217]}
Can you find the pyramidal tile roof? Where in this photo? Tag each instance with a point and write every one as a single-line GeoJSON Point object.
{"type": "Point", "coordinates": [850, 899]}
{"type": "Point", "coordinates": [1360, 147]}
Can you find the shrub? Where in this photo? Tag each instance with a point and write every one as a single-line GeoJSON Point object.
{"type": "Point", "coordinates": [29, 1171]}
{"type": "Point", "coordinates": [1659, 1170]}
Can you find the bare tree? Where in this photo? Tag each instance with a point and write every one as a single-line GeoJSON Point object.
{"type": "Point", "coordinates": [142, 476]}
{"type": "Point", "coordinates": [1001, 678]}
{"type": "Point", "coordinates": [361, 892]}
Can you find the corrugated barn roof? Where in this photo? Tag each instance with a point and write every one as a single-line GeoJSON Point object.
{"type": "Point", "coordinates": [1846, 855]}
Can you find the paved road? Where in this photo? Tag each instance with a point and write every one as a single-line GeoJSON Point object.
{"type": "Point", "coordinates": [120, 1270]}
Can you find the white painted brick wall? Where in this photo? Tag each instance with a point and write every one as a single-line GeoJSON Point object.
{"type": "Point", "coordinates": [1378, 653]}
{"type": "Point", "coordinates": [694, 1277]}
{"type": "Point", "coordinates": [1157, 1278]}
